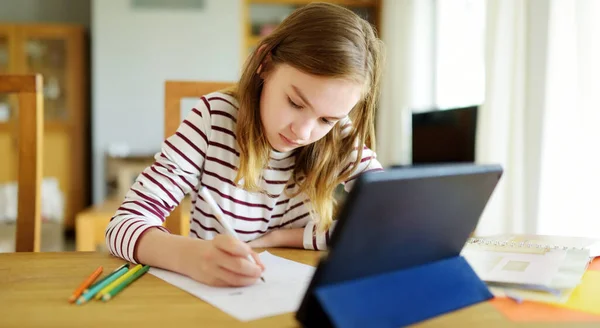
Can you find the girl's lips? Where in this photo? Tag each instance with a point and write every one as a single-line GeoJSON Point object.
{"type": "Point", "coordinates": [288, 141]}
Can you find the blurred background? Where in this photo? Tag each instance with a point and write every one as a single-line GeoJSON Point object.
{"type": "Point", "coordinates": [515, 82]}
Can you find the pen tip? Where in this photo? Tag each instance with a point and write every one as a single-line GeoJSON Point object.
{"type": "Point", "coordinates": [263, 279]}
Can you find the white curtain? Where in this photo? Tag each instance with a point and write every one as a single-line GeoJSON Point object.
{"type": "Point", "coordinates": [541, 117]}
{"type": "Point", "coordinates": [570, 176]}
{"type": "Point", "coordinates": [407, 31]}
{"type": "Point", "coordinates": [501, 120]}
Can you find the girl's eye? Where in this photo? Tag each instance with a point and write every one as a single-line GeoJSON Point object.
{"type": "Point", "coordinates": [326, 121]}
{"type": "Point", "coordinates": [293, 104]}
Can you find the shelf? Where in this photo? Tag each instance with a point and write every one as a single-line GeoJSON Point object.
{"type": "Point", "coordinates": [349, 3]}
{"type": "Point", "coordinates": [5, 126]}
{"type": "Point", "coordinates": [56, 125]}
{"type": "Point", "coordinates": [259, 14]}
{"type": "Point", "coordinates": [252, 41]}
{"type": "Point", "coordinates": [48, 126]}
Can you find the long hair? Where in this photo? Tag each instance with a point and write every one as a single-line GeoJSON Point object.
{"type": "Point", "coordinates": [324, 40]}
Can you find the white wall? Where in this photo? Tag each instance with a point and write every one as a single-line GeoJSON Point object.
{"type": "Point", "coordinates": [134, 52]}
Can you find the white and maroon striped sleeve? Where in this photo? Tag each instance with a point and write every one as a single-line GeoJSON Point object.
{"type": "Point", "coordinates": [368, 162]}
{"type": "Point", "coordinates": [161, 186]}
{"type": "Point", "coordinates": [315, 240]}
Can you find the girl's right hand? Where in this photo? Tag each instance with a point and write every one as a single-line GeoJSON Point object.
{"type": "Point", "coordinates": [222, 262]}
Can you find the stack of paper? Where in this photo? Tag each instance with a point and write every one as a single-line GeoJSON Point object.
{"type": "Point", "coordinates": [537, 268]}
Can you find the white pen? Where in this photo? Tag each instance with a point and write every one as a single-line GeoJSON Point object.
{"type": "Point", "coordinates": [220, 217]}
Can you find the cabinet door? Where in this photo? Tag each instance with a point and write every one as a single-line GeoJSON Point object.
{"type": "Point", "coordinates": [8, 108]}
{"type": "Point", "coordinates": [44, 50]}
{"type": "Point", "coordinates": [55, 51]}
{"type": "Point", "coordinates": [7, 49]}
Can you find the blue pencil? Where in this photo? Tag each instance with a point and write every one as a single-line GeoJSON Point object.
{"type": "Point", "coordinates": [92, 292]}
{"type": "Point", "coordinates": [126, 265]}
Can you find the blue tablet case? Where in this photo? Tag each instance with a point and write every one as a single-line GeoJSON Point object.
{"type": "Point", "coordinates": [394, 256]}
{"type": "Point", "coordinates": [403, 297]}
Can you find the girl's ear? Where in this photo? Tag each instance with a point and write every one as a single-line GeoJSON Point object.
{"type": "Point", "coordinates": [265, 62]}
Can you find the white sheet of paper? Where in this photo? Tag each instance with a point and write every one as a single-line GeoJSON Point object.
{"type": "Point", "coordinates": [286, 283]}
{"type": "Point", "coordinates": [554, 268]}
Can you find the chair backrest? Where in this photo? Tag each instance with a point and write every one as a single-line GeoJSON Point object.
{"type": "Point", "coordinates": [29, 89]}
{"type": "Point", "coordinates": [174, 92]}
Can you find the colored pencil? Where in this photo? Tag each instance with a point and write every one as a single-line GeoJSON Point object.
{"type": "Point", "coordinates": [92, 292]}
{"type": "Point", "coordinates": [113, 292]}
{"type": "Point", "coordinates": [126, 265]}
{"type": "Point", "coordinates": [115, 283]}
{"type": "Point", "coordinates": [88, 281]}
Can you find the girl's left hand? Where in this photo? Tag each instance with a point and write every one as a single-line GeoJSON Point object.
{"type": "Point", "coordinates": [280, 238]}
{"type": "Point", "coordinates": [265, 241]}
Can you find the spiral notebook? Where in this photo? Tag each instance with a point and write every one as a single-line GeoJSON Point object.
{"type": "Point", "coordinates": [535, 262]}
{"type": "Point", "coordinates": [535, 243]}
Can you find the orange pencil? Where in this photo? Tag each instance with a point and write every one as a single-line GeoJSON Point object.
{"type": "Point", "coordinates": [85, 285]}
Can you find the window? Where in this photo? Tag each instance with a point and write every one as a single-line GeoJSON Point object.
{"type": "Point", "coordinates": [459, 75]}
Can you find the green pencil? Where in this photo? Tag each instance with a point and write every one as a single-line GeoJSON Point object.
{"type": "Point", "coordinates": [126, 265]}
{"type": "Point", "coordinates": [92, 292]}
{"type": "Point", "coordinates": [113, 292]}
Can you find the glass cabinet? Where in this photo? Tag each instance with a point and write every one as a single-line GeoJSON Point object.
{"type": "Point", "coordinates": [58, 52]}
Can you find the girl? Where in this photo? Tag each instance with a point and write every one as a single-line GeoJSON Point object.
{"type": "Point", "coordinates": [271, 151]}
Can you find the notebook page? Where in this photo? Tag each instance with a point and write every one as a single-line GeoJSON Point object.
{"type": "Point", "coordinates": [552, 268]}
{"type": "Point", "coordinates": [286, 283]}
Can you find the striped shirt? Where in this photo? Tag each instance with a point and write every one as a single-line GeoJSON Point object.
{"type": "Point", "coordinates": [204, 152]}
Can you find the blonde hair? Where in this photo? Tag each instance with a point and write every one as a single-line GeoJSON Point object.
{"type": "Point", "coordinates": [325, 40]}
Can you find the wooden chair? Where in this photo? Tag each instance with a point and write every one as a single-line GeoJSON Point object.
{"type": "Point", "coordinates": [92, 221]}
{"type": "Point", "coordinates": [178, 223]}
{"type": "Point", "coordinates": [29, 89]}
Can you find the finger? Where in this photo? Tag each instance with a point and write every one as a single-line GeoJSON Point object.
{"type": "Point", "coordinates": [238, 265]}
{"type": "Point", "coordinates": [233, 279]}
{"type": "Point", "coordinates": [231, 245]}
{"type": "Point", "coordinates": [208, 280]}
{"type": "Point", "coordinates": [219, 283]}
{"type": "Point", "coordinates": [258, 260]}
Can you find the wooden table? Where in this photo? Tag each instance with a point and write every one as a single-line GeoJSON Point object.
{"type": "Point", "coordinates": [34, 288]}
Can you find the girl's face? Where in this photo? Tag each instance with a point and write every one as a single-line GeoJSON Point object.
{"type": "Point", "coordinates": [297, 109]}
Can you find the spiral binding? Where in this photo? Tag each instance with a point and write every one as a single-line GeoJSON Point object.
{"type": "Point", "coordinates": [512, 244]}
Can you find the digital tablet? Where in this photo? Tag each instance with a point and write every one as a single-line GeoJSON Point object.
{"type": "Point", "coordinates": [400, 218]}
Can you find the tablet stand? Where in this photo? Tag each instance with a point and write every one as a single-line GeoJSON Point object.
{"type": "Point", "coordinates": [397, 298]}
